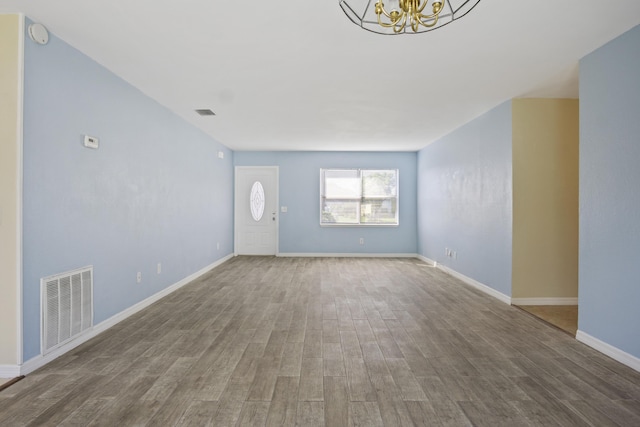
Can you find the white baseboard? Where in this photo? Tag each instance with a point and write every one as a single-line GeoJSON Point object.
{"type": "Point", "coordinates": [9, 371]}
{"type": "Point", "coordinates": [39, 361]}
{"type": "Point", "coordinates": [344, 255]}
{"type": "Point", "coordinates": [469, 281]}
{"type": "Point", "coordinates": [611, 351]}
{"type": "Point", "coordinates": [544, 301]}
{"type": "Point", "coordinates": [431, 262]}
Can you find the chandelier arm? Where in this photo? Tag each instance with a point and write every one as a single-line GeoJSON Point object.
{"type": "Point", "coordinates": [415, 25]}
{"type": "Point", "coordinates": [392, 23]}
{"type": "Point", "coordinates": [432, 16]}
{"type": "Point", "coordinates": [434, 20]}
{"type": "Point", "coordinates": [404, 23]}
{"type": "Point", "coordinates": [387, 25]}
{"type": "Point", "coordinates": [384, 24]}
{"type": "Point", "coordinates": [383, 11]}
{"type": "Point", "coordinates": [421, 8]}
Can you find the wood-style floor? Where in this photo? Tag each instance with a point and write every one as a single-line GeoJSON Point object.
{"type": "Point", "coordinates": [370, 342]}
{"type": "Point", "coordinates": [564, 317]}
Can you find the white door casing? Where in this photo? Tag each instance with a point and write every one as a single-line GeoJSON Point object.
{"type": "Point", "coordinates": [256, 210]}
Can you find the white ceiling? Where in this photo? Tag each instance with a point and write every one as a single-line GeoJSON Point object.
{"type": "Point", "coordinates": [301, 76]}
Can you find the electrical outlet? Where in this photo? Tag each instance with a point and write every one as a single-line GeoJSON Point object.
{"type": "Point", "coordinates": [362, 240]}
{"type": "Point", "coordinates": [447, 252]}
{"type": "Point", "coordinates": [159, 268]}
{"type": "Point", "coordinates": [139, 277]}
{"type": "Point", "coordinates": [218, 245]}
{"type": "Point", "coordinates": [454, 255]}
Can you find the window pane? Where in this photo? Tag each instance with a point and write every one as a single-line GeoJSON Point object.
{"type": "Point", "coordinates": [379, 183]}
{"type": "Point", "coordinates": [359, 196]}
{"type": "Point", "coordinates": [339, 212]}
{"type": "Point", "coordinates": [379, 211]}
{"type": "Point", "coordinates": [341, 184]}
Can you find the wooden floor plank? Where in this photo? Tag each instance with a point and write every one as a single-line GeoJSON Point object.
{"type": "Point", "coordinates": [310, 414]}
{"type": "Point", "coordinates": [254, 414]}
{"type": "Point", "coordinates": [360, 388]}
{"type": "Point", "coordinates": [311, 378]}
{"type": "Point", "coordinates": [336, 402]}
{"type": "Point", "coordinates": [198, 413]}
{"type": "Point", "coordinates": [284, 405]}
{"type": "Point", "coordinates": [365, 414]}
{"type": "Point", "coordinates": [327, 341]}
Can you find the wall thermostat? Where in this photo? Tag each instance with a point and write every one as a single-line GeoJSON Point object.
{"type": "Point", "coordinates": [91, 142]}
{"type": "Point", "coordinates": [38, 33]}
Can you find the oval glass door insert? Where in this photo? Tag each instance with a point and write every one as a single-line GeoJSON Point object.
{"type": "Point", "coordinates": [256, 201]}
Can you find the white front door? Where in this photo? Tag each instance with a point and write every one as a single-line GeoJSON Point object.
{"type": "Point", "coordinates": [256, 210]}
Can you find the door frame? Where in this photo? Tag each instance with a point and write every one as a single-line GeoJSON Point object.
{"type": "Point", "coordinates": [236, 203]}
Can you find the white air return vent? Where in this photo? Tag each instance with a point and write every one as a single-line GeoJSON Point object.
{"type": "Point", "coordinates": [67, 307]}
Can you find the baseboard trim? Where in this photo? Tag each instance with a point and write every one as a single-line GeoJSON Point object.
{"type": "Point", "coordinates": [40, 361]}
{"type": "Point", "coordinates": [431, 262]}
{"type": "Point", "coordinates": [613, 352]}
{"type": "Point", "coordinates": [469, 281]}
{"type": "Point", "coordinates": [544, 301]}
{"type": "Point", "coordinates": [343, 255]}
{"type": "Point", "coordinates": [9, 371]}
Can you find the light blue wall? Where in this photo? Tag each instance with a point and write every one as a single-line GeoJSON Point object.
{"type": "Point", "coordinates": [300, 231]}
{"type": "Point", "coordinates": [154, 191]}
{"type": "Point", "coordinates": [465, 199]}
{"type": "Point", "coordinates": [609, 268]}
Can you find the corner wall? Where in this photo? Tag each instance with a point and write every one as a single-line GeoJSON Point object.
{"type": "Point", "coordinates": [154, 192]}
{"type": "Point", "coordinates": [465, 200]}
{"type": "Point", "coordinates": [545, 201]}
{"type": "Point", "coordinates": [609, 267]}
{"type": "Point", "coordinates": [10, 116]}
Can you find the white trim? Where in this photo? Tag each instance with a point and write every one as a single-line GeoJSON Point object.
{"type": "Point", "coordinates": [469, 281]}
{"type": "Point", "coordinates": [474, 283]}
{"type": "Point", "coordinates": [39, 361]}
{"type": "Point", "coordinates": [544, 301]}
{"type": "Point", "coordinates": [19, 190]}
{"type": "Point", "coordinates": [611, 351]}
{"type": "Point", "coordinates": [429, 261]}
{"type": "Point", "coordinates": [344, 255]}
{"type": "Point", "coordinates": [9, 371]}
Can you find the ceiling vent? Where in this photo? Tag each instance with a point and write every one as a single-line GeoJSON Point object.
{"type": "Point", "coordinates": [205, 112]}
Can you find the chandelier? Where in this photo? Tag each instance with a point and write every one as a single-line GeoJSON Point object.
{"type": "Point", "coordinates": [405, 16]}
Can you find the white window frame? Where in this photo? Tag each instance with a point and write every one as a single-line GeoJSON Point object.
{"type": "Point", "coordinates": [360, 199]}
